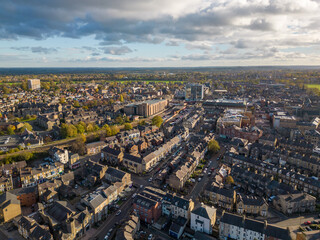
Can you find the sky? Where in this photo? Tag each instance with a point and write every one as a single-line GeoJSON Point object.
{"type": "Point", "coordinates": [159, 33]}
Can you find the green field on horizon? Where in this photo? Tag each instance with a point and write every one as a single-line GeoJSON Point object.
{"type": "Point", "coordinates": [313, 86]}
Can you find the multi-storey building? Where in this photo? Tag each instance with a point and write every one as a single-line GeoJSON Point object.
{"type": "Point", "coordinates": [194, 92]}
{"type": "Point", "coordinates": [203, 219]}
{"type": "Point", "coordinates": [239, 227]}
{"type": "Point", "coordinates": [222, 197]}
{"type": "Point", "coordinates": [146, 108]}
{"type": "Point", "coordinates": [147, 204]}
{"type": "Point", "coordinates": [295, 203]}
{"type": "Point", "coordinates": [34, 84]}
{"type": "Point", "coordinates": [33, 176]}
{"type": "Point", "coordinates": [251, 205]}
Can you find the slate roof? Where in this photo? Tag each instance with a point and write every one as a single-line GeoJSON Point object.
{"type": "Point", "coordinates": [115, 172]}
{"type": "Point", "coordinates": [8, 198]}
{"type": "Point", "coordinates": [205, 211]}
{"type": "Point", "coordinates": [256, 226]}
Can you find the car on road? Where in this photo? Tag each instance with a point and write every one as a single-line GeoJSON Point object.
{"type": "Point", "coordinates": [110, 230]}
{"type": "Point", "coordinates": [141, 186]}
{"type": "Point", "coordinates": [118, 213]}
{"type": "Point", "coordinates": [134, 195]}
{"type": "Point", "coordinates": [150, 180]}
{"type": "Point", "coordinates": [199, 179]}
{"type": "Point", "coordinates": [150, 237]}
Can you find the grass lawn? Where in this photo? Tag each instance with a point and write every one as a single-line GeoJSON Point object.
{"type": "Point", "coordinates": [313, 86]}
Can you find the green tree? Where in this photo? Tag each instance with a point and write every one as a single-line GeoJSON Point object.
{"type": "Point", "coordinates": [157, 121]}
{"type": "Point", "coordinates": [119, 120]}
{"type": "Point", "coordinates": [6, 90]}
{"type": "Point", "coordinates": [76, 104]}
{"type": "Point", "coordinates": [78, 146]}
{"type": "Point", "coordinates": [127, 126]}
{"type": "Point", "coordinates": [114, 130]}
{"type": "Point", "coordinates": [142, 123]}
{"type": "Point", "coordinates": [25, 156]}
{"type": "Point", "coordinates": [107, 128]}
{"type": "Point", "coordinates": [68, 130]}
{"type": "Point", "coordinates": [213, 146]}
{"type": "Point", "coordinates": [89, 128]}
{"type": "Point", "coordinates": [10, 129]}
{"type": "Point", "coordinates": [62, 100]}
{"type": "Point", "coordinates": [24, 85]}
{"type": "Point", "coordinates": [96, 128]}
{"type": "Point", "coordinates": [229, 180]}
{"type": "Point", "coordinates": [26, 126]}
{"type": "Point", "coordinates": [80, 128]}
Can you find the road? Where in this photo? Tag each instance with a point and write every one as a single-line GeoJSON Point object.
{"type": "Point", "coordinates": [197, 189]}
{"type": "Point", "coordinates": [125, 208]}
{"type": "Point", "coordinates": [295, 221]}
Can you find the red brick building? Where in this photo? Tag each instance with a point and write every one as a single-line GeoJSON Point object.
{"type": "Point", "coordinates": [147, 205]}
{"type": "Point", "coordinates": [250, 133]}
{"type": "Point", "coordinates": [27, 196]}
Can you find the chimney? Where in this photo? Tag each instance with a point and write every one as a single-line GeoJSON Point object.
{"type": "Point", "coordinates": [243, 219]}
{"type": "Point", "coordinates": [70, 225]}
{"type": "Point", "coordinates": [265, 224]}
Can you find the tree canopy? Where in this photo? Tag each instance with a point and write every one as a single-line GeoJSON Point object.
{"type": "Point", "coordinates": [157, 121]}
{"type": "Point", "coordinates": [213, 146]}
{"type": "Point", "coordinates": [127, 126]}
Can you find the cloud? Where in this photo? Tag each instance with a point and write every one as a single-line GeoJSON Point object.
{"type": "Point", "coordinates": [42, 50]}
{"type": "Point", "coordinates": [244, 26]}
{"type": "Point", "coordinates": [117, 50]}
{"type": "Point", "coordinates": [201, 46]}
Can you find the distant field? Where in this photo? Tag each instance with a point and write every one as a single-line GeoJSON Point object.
{"type": "Point", "coordinates": [8, 83]}
{"type": "Point", "coordinates": [148, 81]}
{"type": "Point", "coordinates": [313, 86]}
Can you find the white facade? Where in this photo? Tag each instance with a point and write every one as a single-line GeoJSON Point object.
{"type": "Point", "coordinates": [201, 224]}
{"type": "Point", "coordinates": [61, 156]}
{"type": "Point", "coordinates": [239, 233]}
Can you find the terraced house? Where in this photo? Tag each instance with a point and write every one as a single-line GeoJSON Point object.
{"type": "Point", "coordinates": [33, 176]}
{"type": "Point", "coordinates": [222, 197]}
{"type": "Point", "coordinates": [251, 205]}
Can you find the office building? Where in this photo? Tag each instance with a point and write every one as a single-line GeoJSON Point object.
{"type": "Point", "coordinates": [194, 92]}
{"type": "Point", "coordinates": [146, 108]}
{"type": "Point", "coordinates": [34, 84]}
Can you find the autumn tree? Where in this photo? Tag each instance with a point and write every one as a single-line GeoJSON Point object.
{"type": "Point", "coordinates": [79, 146]}
{"type": "Point", "coordinates": [26, 126]}
{"type": "Point", "coordinates": [213, 146]}
{"type": "Point", "coordinates": [114, 130]}
{"type": "Point", "coordinates": [10, 129]}
{"type": "Point", "coordinates": [229, 180]}
{"type": "Point", "coordinates": [127, 126]}
{"type": "Point", "coordinates": [157, 121]}
{"type": "Point", "coordinates": [107, 128]}
{"type": "Point", "coordinates": [68, 130]}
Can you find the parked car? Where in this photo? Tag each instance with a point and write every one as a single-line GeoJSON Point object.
{"type": "Point", "coordinates": [199, 179]}
{"type": "Point", "coordinates": [150, 237]}
{"type": "Point", "coordinates": [307, 223]}
{"type": "Point", "coordinates": [134, 195]}
{"type": "Point", "coordinates": [118, 213]}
